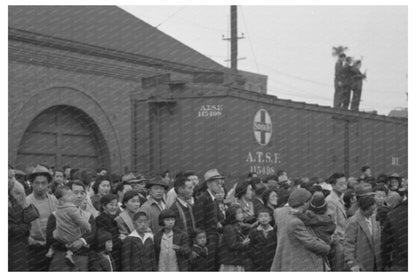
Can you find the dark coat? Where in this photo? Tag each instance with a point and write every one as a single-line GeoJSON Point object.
{"type": "Point", "coordinates": [180, 239]}
{"type": "Point", "coordinates": [180, 222]}
{"type": "Point", "coordinates": [262, 249]}
{"type": "Point", "coordinates": [232, 251]}
{"type": "Point", "coordinates": [107, 223]}
{"type": "Point", "coordinates": [394, 239]}
{"type": "Point", "coordinates": [96, 202]}
{"type": "Point", "coordinates": [136, 255]}
{"type": "Point", "coordinates": [100, 263]}
{"type": "Point", "coordinates": [206, 214]}
{"type": "Point", "coordinates": [258, 204]}
{"type": "Point", "coordinates": [200, 263]}
{"type": "Point", "coordinates": [19, 231]}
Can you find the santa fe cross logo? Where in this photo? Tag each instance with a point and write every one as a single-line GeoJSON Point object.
{"type": "Point", "coordinates": [262, 127]}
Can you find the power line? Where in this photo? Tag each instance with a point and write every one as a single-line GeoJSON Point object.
{"type": "Point", "coordinates": [320, 83]}
{"type": "Point", "coordinates": [170, 16]}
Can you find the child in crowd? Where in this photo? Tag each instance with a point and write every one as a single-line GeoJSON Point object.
{"type": "Point", "coordinates": [263, 242]}
{"type": "Point", "coordinates": [199, 256]}
{"type": "Point", "coordinates": [171, 244]}
{"type": "Point", "coordinates": [138, 253]}
{"type": "Point", "coordinates": [219, 198]}
{"type": "Point", "coordinates": [316, 217]}
{"type": "Point", "coordinates": [71, 224]}
{"type": "Point", "coordinates": [234, 244]}
{"type": "Point", "coordinates": [103, 260]}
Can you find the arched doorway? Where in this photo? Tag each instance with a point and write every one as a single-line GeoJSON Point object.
{"type": "Point", "coordinates": [63, 135]}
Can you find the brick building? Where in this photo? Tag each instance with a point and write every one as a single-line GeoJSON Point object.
{"type": "Point", "coordinates": [72, 74]}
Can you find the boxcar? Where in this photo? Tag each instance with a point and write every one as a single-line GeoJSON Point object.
{"type": "Point", "coordinates": [181, 126]}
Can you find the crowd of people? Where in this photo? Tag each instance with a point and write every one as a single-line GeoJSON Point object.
{"type": "Point", "coordinates": [348, 78]}
{"type": "Point", "coordinates": [83, 220]}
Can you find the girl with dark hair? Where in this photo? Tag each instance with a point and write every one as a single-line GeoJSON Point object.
{"type": "Point", "coordinates": [270, 200]}
{"type": "Point", "coordinates": [171, 244]}
{"type": "Point", "coordinates": [234, 245]}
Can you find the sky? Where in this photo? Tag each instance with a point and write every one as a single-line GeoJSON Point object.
{"type": "Point", "coordinates": [292, 45]}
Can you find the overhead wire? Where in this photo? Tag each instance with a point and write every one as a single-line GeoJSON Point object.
{"type": "Point", "coordinates": [170, 16]}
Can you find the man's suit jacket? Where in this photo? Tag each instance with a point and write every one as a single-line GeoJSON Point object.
{"type": "Point", "coordinates": [206, 213]}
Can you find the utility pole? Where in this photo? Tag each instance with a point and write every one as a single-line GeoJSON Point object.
{"type": "Point", "coordinates": [234, 39]}
{"type": "Point", "coordinates": [234, 43]}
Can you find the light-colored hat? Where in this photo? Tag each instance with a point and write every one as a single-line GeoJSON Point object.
{"type": "Point", "coordinates": [364, 189]}
{"type": "Point", "coordinates": [326, 186]}
{"type": "Point", "coordinates": [212, 174]}
{"type": "Point", "coordinates": [40, 171]}
{"type": "Point", "coordinates": [129, 178]}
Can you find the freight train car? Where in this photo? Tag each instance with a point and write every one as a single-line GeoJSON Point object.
{"type": "Point", "coordinates": [198, 126]}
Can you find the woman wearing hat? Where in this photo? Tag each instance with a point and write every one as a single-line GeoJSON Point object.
{"type": "Point", "coordinates": [362, 236]}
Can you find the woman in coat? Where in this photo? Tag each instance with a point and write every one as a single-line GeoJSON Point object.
{"type": "Point", "coordinates": [362, 238]}
{"type": "Point", "coordinates": [106, 222]}
{"type": "Point", "coordinates": [20, 216]}
{"type": "Point", "coordinates": [131, 205]}
{"type": "Point", "coordinates": [244, 195]}
{"type": "Point", "coordinates": [101, 187]}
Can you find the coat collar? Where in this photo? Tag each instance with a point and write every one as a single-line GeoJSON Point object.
{"type": "Point", "coordinates": [364, 226]}
{"type": "Point", "coordinates": [146, 236]}
{"type": "Point", "coordinates": [338, 201]}
{"type": "Point", "coordinates": [153, 202]}
{"type": "Point", "coordinates": [211, 195]}
{"type": "Point", "coordinates": [270, 228]}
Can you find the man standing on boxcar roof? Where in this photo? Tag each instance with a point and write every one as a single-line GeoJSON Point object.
{"type": "Point", "coordinates": [206, 213]}
{"type": "Point", "coordinates": [338, 80]}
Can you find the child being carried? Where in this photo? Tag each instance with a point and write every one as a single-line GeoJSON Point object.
{"type": "Point", "coordinates": [71, 224]}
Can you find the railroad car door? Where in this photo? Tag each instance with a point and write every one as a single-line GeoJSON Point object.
{"type": "Point", "coordinates": [63, 135]}
{"type": "Point", "coordinates": [339, 150]}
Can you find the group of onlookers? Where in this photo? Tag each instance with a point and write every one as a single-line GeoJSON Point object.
{"type": "Point", "coordinates": [94, 221]}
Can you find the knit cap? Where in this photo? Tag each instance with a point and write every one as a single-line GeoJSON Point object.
{"type": "Point", "coordinates": [318, 204]}
{"type": "Point", "coordinates": [298, 197]}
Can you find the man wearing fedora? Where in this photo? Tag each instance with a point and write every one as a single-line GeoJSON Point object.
{"type": "Point", "coordinates": [206, 214]}
{"type": "Point", "coordinates": [155, 204]}
{"type": "Point", "coordinates": [362, 245]}
{"type": "Point", "coordinates": [45, 203]}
